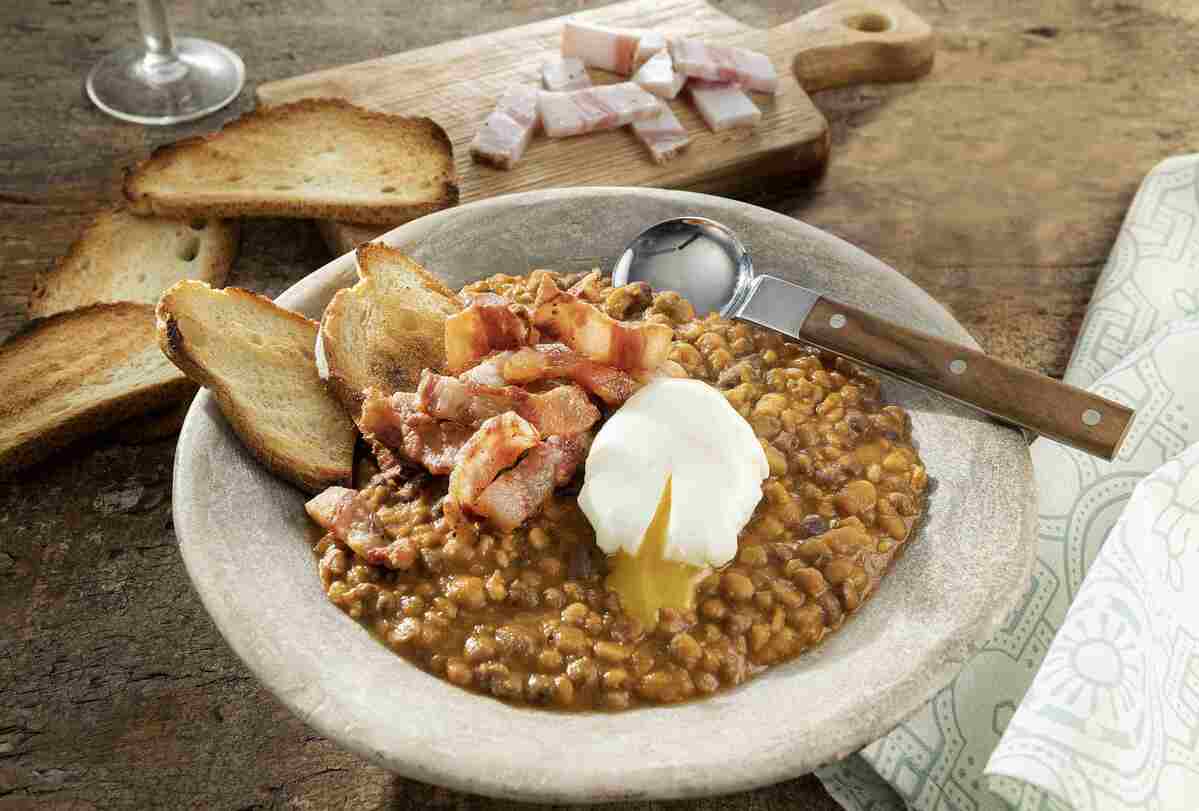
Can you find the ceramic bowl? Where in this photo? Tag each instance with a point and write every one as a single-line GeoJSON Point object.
{"type": "Point", "coordinates": [245, 540]}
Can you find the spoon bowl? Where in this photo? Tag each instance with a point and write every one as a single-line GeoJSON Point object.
{"type": "Point", "coordinates": [707, 264]}
{"type": "Point", "coordinates": [695, 256]}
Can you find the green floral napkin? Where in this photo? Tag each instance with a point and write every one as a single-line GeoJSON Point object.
{"type": "Point", "coordinates": [1088, 698]}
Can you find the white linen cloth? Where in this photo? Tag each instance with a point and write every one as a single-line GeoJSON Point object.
{"type": "Point", "coordinates": [1088, 698]}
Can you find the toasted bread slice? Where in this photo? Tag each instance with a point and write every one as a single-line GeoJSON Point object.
{"type": "Point", "coordinates": [77, 373]}
{"type": "Point", "coordinates": [256, 359]}
{"type": "Point", "coordinates": [386, 329]}
{"type": "Point", "coordinates": [123, 257]}
{"type": "Point", "coordinates": [314, 158]}
{"type": "Point", "coordinates": [343, 237]}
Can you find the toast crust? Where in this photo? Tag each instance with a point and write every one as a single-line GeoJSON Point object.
{"type": "Point", "coordinates": [373, 335]}
{"type": "Point", "coordinates": [214, 199]}
{"type": "Point", "coordinates": [107, 339]}
{"type": "Point", "coordinates": [372, 255]}
{"type": "Point", "coordinates": [292, 464]}
{"type": "Point", "coordinates": [100, 264]}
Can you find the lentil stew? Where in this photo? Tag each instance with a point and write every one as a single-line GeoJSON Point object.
{"type": "Point", "coordinates": [525, 616]}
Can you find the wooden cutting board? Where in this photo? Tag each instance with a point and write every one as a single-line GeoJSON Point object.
{"type": "Point", "coordinates": [457, 84]}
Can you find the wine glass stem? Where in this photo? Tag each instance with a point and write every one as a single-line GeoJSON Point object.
{"type": "Point", "coordinates": [161, 63]}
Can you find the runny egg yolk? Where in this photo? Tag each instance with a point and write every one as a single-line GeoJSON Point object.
{"type": "Point", "coordinates": [672, 478]}
{"type": "Point", "coordinates": [647, 581]}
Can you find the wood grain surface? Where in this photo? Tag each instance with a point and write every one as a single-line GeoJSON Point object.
{"type": "Point", "coordinates": [997, 183]}
{"type": "Point", "coordinates": [458, 82]}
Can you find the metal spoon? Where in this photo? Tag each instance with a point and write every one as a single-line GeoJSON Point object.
{"type": "Point", "coordinates": [706, 263]}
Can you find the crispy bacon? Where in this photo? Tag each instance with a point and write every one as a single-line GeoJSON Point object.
{"type": "Point", "coordinates": [385, 457]}
{"type": "Point", "coordinates": [554, 362]}
{"type": "Point", "coordinates": [394, 423]}
{"type": "Point", "coordinates": [489, 371]}
{"type": "Point", "coordinates": [434, 444]}
{"type": "Point", "coordinates": [324, 507]}
{"type": "Point", "coordinates": [358, 526]}
{"type": "Point", "coordinates": [497, 444]}
{"type": "Point", "coordinates": [519, 493]}
{"type": "Point", "coordinates": [563, 410]}
{"type": "Point", "coordinates": [488, 324]}
{"type": "Point", "coordinates": [669, 368]}
{"type": "Point", "coordinates": [382, 417]}
{"type": "Point", "coordinates": [351, 515]}
{"type": "Point", "coordinates": [590, 331]}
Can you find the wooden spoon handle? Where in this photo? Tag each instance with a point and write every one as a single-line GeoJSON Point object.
{"type": "Point", "coordinates": [1041, 404]}
{"type": "Point", "coordinates": [855, 41]}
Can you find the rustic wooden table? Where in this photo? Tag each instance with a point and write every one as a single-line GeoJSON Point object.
{"type": "Point", "coordinates": [997, 183]}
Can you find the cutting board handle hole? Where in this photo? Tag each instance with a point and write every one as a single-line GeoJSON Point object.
{"type": "Point", "coordinates": [869, 22]}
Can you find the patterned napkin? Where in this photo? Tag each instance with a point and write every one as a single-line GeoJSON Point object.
{"type": "Point", "coordinates": [1088, 698]}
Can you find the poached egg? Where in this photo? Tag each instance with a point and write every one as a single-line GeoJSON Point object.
{"type": "Point", "coordinates": [671, 479]}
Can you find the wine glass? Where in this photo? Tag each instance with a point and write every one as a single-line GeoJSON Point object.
{"type": "Point", "coordinates": [165, 80]}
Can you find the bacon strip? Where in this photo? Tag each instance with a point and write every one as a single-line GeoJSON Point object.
{"type": "Point", "coordinates": [519, 493]}
{"type": "Point", "coordinates": [351, 516]}
{"type": "Point", "coordinates": [434, 444]}
{"type": "Point", "coordinates": [496, 445]}
{"type": "Point", "coordinates": [395, 423]}
{"type": "Point", "coordinates": [358, 526]}
{"type": "Point", "coordinates": [489, 323]}
{"type": "Point", "coordinates": [324, 507]}
{"type": "Point", "coordinates": [555, 361]}
{"type": "Point", "coordinates": [590, 331]}
{"type": "Point", "coordinates": [564, 410]}
{"type": "Point", "coordinates": [382, 417]}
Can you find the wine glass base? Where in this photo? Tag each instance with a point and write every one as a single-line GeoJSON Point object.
{"type": "Point", "coordinates": [134, 86]}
